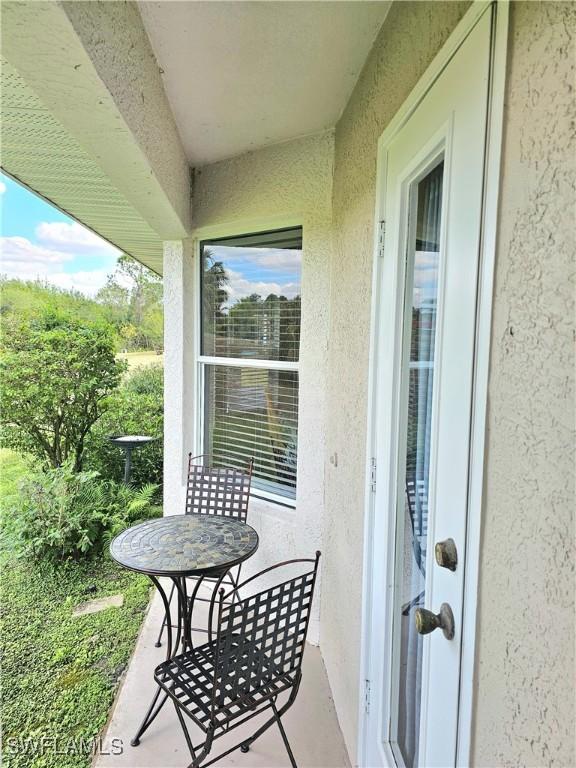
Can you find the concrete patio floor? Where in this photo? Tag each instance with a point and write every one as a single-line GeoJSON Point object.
{"type": "Point", "coordinates": [311, 723]}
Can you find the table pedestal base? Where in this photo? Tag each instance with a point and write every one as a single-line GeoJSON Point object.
{"type": "Point", "coordinates": [183, 639]}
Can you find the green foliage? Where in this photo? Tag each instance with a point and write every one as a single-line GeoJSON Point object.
{"type": "Point", "coordinates": [133, 297]}
{"type": "Point", "coordinates": [126, 506]}
{"type": "Point", "coordinates": [214, 291]}
{"type": "Point", "coordinates": [13, 467]}
{"type": "Point", "coordinates": [60, 673]}
{"type": "Point", "coordinates": [21, 301]}
{"type": "Point", "coordinates": [57, 374]}
{"type": "Point", "coordinates": [63, 514]}
{"type": "Point", "coordinates": [148, 380]}
{"type": "Point", "coordinates": [135, 408]}
{"type": "Point", "coordinates": [130, 302]}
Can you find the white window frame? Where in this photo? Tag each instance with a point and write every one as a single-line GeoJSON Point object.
{"type": "Point", "coordinates": [254, 226]}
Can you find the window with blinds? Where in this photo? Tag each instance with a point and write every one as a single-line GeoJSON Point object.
{"type": "Point", "coordinates": [250, 338]}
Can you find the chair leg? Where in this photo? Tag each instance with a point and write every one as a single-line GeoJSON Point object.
{"type": "Point", "coordinates": [245, 746]}
{"type": "Point", "coordinates": [158, 643]}
{"type": "Point", "coordinates": [206, 747]}
{"type": "Point", "coordinates": [235, 581]}
{"type": "Point", "coordinates": [284, 737]}
{"type": "Point", "coordinates": [186, 734]}
{"type": "Point", "coordinates": [205, 751]}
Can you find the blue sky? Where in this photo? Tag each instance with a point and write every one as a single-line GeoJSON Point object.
{"type": "Point", "coordinates": [40, 242]}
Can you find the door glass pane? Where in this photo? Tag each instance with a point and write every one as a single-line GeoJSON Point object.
{"type": "Point", "coordinates": [412, 506]}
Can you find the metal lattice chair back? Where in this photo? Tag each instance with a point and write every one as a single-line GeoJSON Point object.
{"type": "Point", "coordinates": [417, 494]}
{"type": "Point", "coordinates": [260, 641]}
{"type": "Point", "coordinates": [217, 490]}
{"type": "Point", "coordinates": [256, 656]}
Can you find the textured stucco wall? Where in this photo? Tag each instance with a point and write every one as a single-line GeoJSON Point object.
{"type": "Point", "coordinates": [410, 38]}
{"type": "Point", "coordinates": [179, 318]}
{"type": "Point", "coordinates": [525, 663]}
{"type": "Point", "coordinates": [292, 180]}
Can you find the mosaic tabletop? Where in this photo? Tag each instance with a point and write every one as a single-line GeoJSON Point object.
{"type": "Point", "coordinates": [181, 545]}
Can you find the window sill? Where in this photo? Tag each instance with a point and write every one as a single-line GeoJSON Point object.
{"type": "Point", "coordinates": [261, 506]}
{"type": "Point", "coordinates": [276, 501]}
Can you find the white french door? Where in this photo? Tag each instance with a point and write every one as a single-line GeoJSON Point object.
{"type": "Point", "coordinates": [424, 352]}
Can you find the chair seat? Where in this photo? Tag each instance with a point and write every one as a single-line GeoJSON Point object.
{"type": "Point", "coordinates": [189, 679]}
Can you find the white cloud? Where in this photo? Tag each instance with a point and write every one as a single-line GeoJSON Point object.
{"type": "Point", "coordinates": [2, 187]}
{"type": "Point", "coordinates": [238, 287]}
{"type": "Point", "coordinates": [72, 237]}
{"type": "Point", "coordinates": [24, 260]}
{"type": "Point", "coordinates": [277, 258]}
{"type": "Point", "coordinates": [273, 258]}
{"type": "Point", "coordinates": [19, 253]}
{"type": "Point", "coordinates": [88, 283]}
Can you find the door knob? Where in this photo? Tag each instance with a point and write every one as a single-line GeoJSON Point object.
{"type": "Point", "coordinates": [446, 554]}
{"type": "Point", "coordinates": [427, 621]}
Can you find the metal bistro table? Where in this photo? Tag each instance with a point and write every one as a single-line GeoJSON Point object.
{"type": "Point", "coordinates": [175, 547]}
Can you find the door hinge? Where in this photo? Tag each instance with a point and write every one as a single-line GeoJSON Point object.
{"type": "Point", "coordinates": [367, 697]}
{"type": "Point", "coordinates": [381, 238]}
{"type": "Point", "coordinates": [373, 475]}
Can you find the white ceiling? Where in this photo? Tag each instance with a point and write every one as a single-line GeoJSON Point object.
{"type": "Point", "coordinates": [242, 75]}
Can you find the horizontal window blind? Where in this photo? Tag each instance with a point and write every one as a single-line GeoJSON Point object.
{"type": "Point", "coordinates": [253, 412]}
{"type": "Point", "coordinates": [250, 311]}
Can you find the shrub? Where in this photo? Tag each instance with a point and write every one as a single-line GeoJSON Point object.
{"type": "Point", "coordinates": [135, 408]}
{"type": "Point", "coordinates": [63, 514]}
{"type": "Point", "coordinates": [57, 374]}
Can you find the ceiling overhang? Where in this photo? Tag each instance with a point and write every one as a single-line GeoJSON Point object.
{"type": "Point", "coordinates": [243, 75]}
{"type": "Point", "coordinates": [105, 106]}
{"type": "Point", "coordinates": [86, 123]}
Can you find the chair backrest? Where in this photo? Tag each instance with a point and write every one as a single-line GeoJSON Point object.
{"type": "Point", "coordinates": [417, 498]}
{"type": "Point", "coordinates": [261, 638]}
{"type": "Point", "coordinates": [217, 490]}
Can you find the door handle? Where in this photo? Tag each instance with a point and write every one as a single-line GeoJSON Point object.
{"type": "Point", "coordinates": [427, 621]}
{"type": "Point", "coordinates": [446, 554]}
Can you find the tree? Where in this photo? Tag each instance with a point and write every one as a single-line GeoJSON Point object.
{"type": "Point", "coordinates": [116, 299]}
{"type": "Point", "coordinates": [214, 289]}
{"type": "Point", "coordinates": [57, 374]}
{"type": "Point", "coordinates": [273, 322]}
{"type": "Point", "coordinates": [133, 295]}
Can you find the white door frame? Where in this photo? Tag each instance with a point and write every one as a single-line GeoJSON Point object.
{"type": "Point", "coordinates": [482, 355]}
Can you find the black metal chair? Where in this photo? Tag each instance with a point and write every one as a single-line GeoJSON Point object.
{"type": "Point", "coordinates": [417, 499]}
{"type": "Point", "coordinates": [255, 657]}
{"type": "Point", "coordinates": [417, 503]}
{"type": "Point", "coordinates": [221, 491]}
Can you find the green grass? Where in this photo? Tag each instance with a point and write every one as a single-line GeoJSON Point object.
{"type": "Point", "coordinates": [59, 674]}
{"type": "Point", "coordinates": [12, 468]}
{"type": "Point", "coordinates": [140, 359]}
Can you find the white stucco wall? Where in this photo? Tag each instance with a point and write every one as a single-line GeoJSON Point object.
{"type": "Point", "coordinates": [277, 186]}
{"type": "Point", "coordinates": [525, 662]}
{"type": "Point", "coordinates": [178, 269]}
